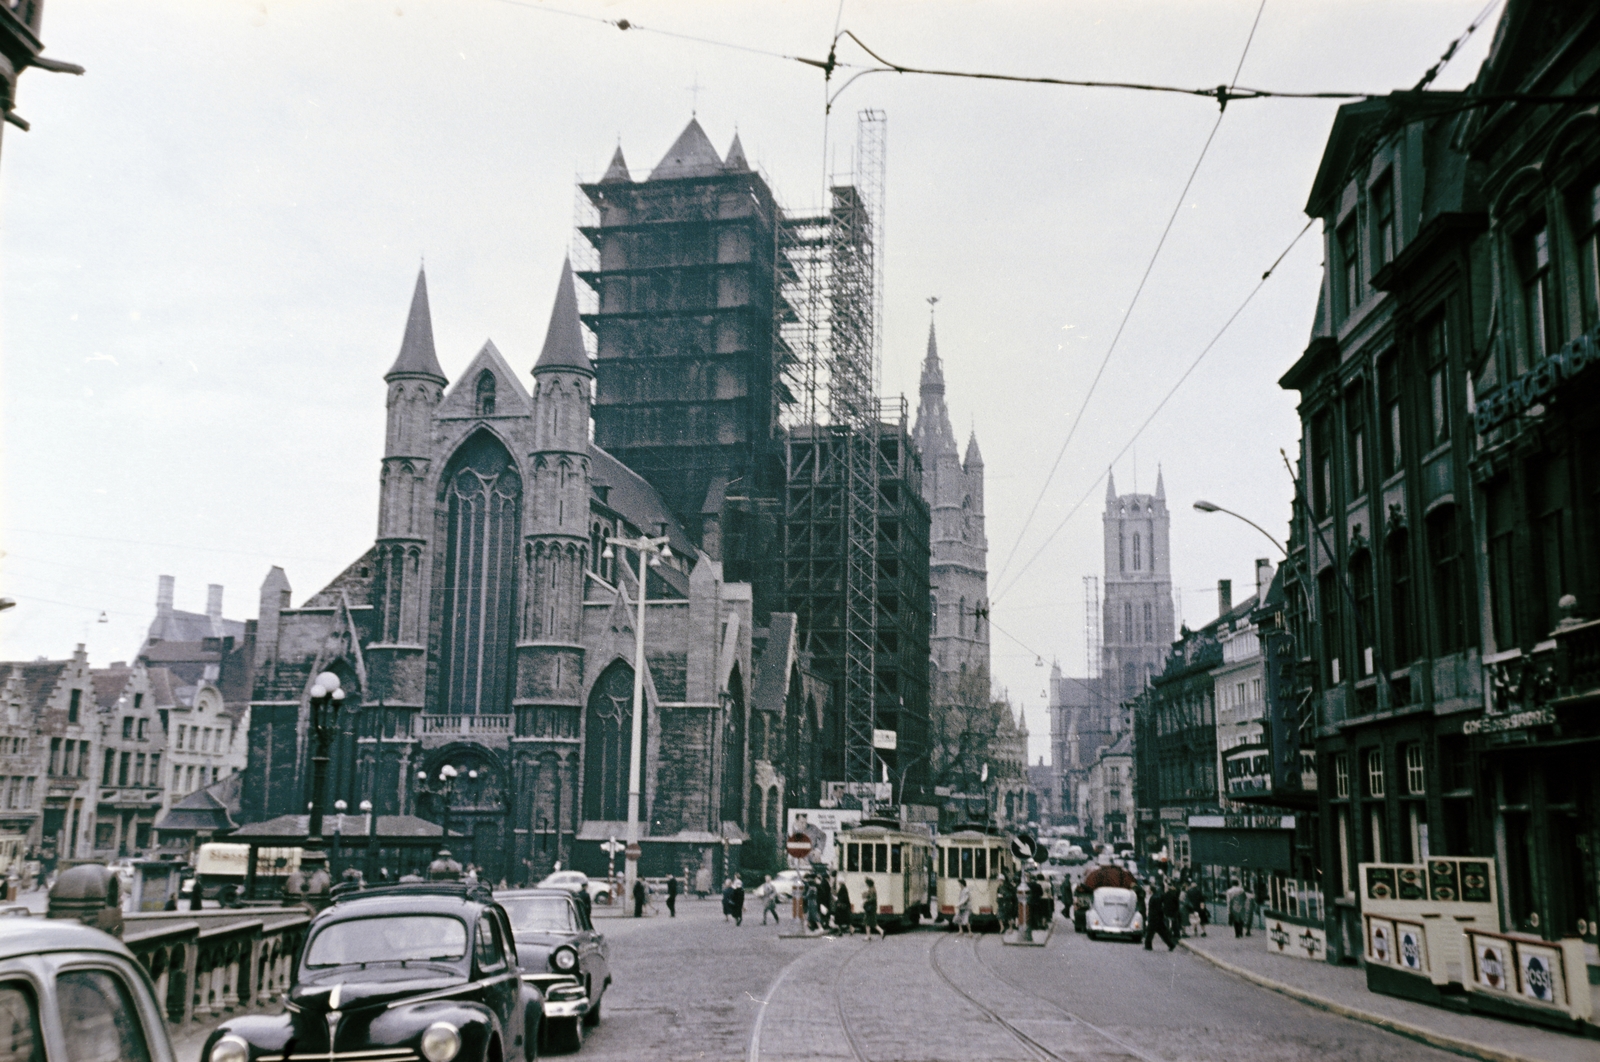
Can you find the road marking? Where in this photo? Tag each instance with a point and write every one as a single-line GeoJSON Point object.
{"type": "Point", "coordinates": [754, 1052]}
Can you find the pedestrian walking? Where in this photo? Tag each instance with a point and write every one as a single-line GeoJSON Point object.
{"type": "Point", "coordinates": [1172, 910]}
{"type": "Point", "coordinates": [1155, 923]}
{"type": "Point", "coordinates": [813, 908]}
{"type": "Point", "coordinates": [869, 909]}
{"type": "Point", "coordinates": [768, 895]}
{"type": "Point", "coordinates": [702, 882]}
{"type": "Point", "coordinates": [640, 896]}
{"type": "Point", "coordinates": [842, 914]}
{"type": "Point", "coordinates": [1236, 906]}
{"type": "Point", "coordinates": [585, 904]}
{"type": "Point", "coordinates": [727, 900]}
{"type": "Point", "coordinates": [1195, 901]}
{"type": "Point", "coordinates": [1006, 899]}
{"type": "Point", "coordinates": [672, 896]}
{"type": "Point", "coordinates": [1036, 911]}
{"type": "Point", "coordinates": [964, 908]}
{"type": "Point", "coordinates": [738, 901]}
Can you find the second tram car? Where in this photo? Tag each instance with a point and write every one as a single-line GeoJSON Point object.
{"type": "Point", "coordinates": [978, 857]}
{"type": "Point", "coordinates": [900, 864]}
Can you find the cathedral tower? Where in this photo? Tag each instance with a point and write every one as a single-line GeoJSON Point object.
{"type": "Point", "coordinates": [1137, 612]}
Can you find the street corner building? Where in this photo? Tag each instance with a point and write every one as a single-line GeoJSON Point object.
{"type": "Point", "coordinates": [487, 629]}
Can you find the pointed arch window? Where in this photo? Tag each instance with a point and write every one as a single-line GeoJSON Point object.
{"type": "Point", "coordinates": [1138, 558]}
{"type": "Point", "coordinates": [485, 394]}
{"type": "Point", "coordinates": [481, 515]}
{"type": "Point", "coordinates": [608, 740]}
{"type": "Point", "coordinates": [1129, 631]}
{"type": "Point", "coordinates": [1149, 622]}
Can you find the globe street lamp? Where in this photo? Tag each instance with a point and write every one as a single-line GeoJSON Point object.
{"type": "Point", "coordinates": [372, 824]}
{"type": "Point", "coordinates": [652, 551]}
{"type": "Point", "coordinates": [326, 701]}
{"type": "Point", "coordinates": [441, 792]}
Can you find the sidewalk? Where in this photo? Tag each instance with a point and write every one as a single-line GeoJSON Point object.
{"type": "Point", "coordinates": [1343, 990]}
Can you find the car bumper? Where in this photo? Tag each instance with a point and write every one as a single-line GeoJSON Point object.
{"type": "Point", "coordinates": [564, 997]}
{"type": "Point", "coordinates": [1103, 930]}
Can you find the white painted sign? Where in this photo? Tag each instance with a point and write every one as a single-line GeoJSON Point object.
{"type": "Point", "coordinates": [821, 825]}
{"type": "Point", "coordinates": [885, 739]}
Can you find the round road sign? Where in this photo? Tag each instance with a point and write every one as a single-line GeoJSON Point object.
{"type": "Point", "coordinates": [633, 851]}
{"type": "Point", "coordinates": [799, 846]}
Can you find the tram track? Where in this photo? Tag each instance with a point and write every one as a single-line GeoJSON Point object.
{"type": "Point", "coordinates": [1057, 1007]}
{"type": "Point", "coordinates": [1034, 1047]}
{"type": "Point", "coordinates": [850, 1036]}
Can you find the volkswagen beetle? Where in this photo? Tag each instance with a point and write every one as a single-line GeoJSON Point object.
{"type": "Point", "coordinates": [405, 972]}
{"type": "Point", "coordinates": [562, 956]}
{"type": "Point", "coordinates": [69, 992]}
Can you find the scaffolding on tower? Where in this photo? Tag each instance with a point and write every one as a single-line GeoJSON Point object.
{"type": "Point", "coordinates": [1091, 626]}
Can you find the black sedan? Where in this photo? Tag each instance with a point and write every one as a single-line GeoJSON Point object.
{"type": "Point", "coordinates": [556, 943]}
{"type": "Point", "coordinates": [403, 972]}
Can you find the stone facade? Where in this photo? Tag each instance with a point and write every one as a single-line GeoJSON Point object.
{"type": "Point", "coordinates": [1137, 612]}
{"type": "Point", "coordinates": [487, 629]}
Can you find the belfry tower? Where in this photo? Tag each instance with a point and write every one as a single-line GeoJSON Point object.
{"type": "Point", "coordinates": [1138, 590]}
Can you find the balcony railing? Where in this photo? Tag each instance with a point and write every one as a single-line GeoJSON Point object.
{"type": "Point", "coordinates": [464, 725]}
{"type": "Point", "coordinates": [1578, 660]}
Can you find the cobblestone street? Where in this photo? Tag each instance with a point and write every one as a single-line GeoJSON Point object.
{"type": "Point", "coordinates": [695, 987]}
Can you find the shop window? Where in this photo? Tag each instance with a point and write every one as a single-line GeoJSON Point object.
{"type": "Point", "coordinates": [1436, 343]}
{"type": "Point", "coordinates": [1349, 266]}
{"type": "Point", "coordinates": [1328, 608]}
{"type": "Point", "coordinates": [1400, 639]}
{"type": "Point", "coordinates": [1366, 614]}
{"type": "Point", "coordinates": [1539, 308]}
{"type": "Point", "coordinates": [1444, 550]}
{"type": "Point", "coordinates": [1416, 778]}
{"type": "Point", "coordinates": [1355, 420]}
{"type": "Point", "coordinates": [1374, 762]}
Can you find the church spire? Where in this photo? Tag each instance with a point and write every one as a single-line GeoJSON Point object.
{"type": "Point", "coordinates": [932, 367]}
{"type": "Point", "coordinates": [563, 340]}
{"type": "Point", "coordinates": [932, 432]}
{"type": "Point", "coordinates": [1111, 488]}
{"type": "Point", "coordinates": [417, 357]}
{"type": "Point", "coordinates": [617, 172]}
{"type": "Point", "coordinates": [1161, 489]}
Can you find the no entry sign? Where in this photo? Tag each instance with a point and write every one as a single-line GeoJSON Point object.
{"type": "Point", "coordinates": [799, 846]}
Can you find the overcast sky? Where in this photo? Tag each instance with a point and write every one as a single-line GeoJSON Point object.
{"type": "Point", "coordinates": [209, 243]}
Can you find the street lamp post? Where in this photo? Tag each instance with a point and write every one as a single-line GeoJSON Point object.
{"type": "Point", "coordinates": [372, 831]}
{"type": "Point", "coordinates": [326, 700]}
{"type": "Point", "coordinates": [652, 551]}
{"type": "Point", "coordinates": [442, 791]}
{"type": "Point", "coordinates": [1208, 507]}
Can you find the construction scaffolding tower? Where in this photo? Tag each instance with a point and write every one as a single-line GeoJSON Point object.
{"type": "Point", "coordinates": [855, 525]}
{"type": "Point", "coordinates": [1091, 626]}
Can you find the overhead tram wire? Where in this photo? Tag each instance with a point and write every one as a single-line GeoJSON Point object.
{"type": "Point", "coordinates": [1154, 412]}
{"type": "Point", "coordinates": [1150, 266]}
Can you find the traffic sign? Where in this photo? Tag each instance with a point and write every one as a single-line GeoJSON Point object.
{"type": "Point", "coordinates": [633, 850]}
{"type": "Point", "coordinates": [799, 846]}
{"type": "Point", "coordinates": [612, 847]}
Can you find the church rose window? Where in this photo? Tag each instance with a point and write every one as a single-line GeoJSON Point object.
{"type": "Point", "coordinates": [482, 512]}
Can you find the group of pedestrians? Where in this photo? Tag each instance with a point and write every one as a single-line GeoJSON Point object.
{"type": "Point", "coordinates": [1168, 910]}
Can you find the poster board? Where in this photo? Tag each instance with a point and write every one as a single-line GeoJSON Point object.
{"type": "Point", "coordinates": [1542, 974]}
{"type": "Point", "coordinates": [821, 825]}
{"type": "Point", "coordinates": [1413, 914]}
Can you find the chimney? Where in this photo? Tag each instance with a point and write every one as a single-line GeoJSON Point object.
{"type": "Point", "coordinates": [1264, 573]}
{"type": "Point", "coordinates": [1224, 596]}
{"type": "Point", "coordinates": [214, 603]}
{"type": "Point", "coordinates": [164, 594]}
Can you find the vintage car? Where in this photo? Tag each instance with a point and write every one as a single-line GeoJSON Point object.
{"type": "Point", "coordinates": [75, 994]}
{"type": "Point", "coordinates": [410, 971]}
{"type": "Point", "coordinates": [576, 880]}
{"type": "Point", "coordinates": [559, 948]}
{"type": "Point", "coordinates": [1114, 913]}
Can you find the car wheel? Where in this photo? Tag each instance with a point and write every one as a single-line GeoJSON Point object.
{"type": "Point", "coordinates": [602, 898]}
{"type": "Point", "coordinates": [592, 1018]}
{"type": "Point", "coordinates": [567, 1036]}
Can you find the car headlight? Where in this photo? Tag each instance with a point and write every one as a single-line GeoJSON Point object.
{"type": "Point", "coordinates": [230, 1049]}
{"type": "Point", "coordinates": [440, 1042]}
{"type": "Point", "coordinates": [564, 959]}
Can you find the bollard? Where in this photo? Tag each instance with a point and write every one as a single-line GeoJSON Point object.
{"type": "Point", "coordinates": [91, 894]}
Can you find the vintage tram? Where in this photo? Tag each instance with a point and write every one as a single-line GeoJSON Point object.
{"type": "Point", "coordinates": [979, 857]}
{"type": "Point", "coordinates": [900, 864]}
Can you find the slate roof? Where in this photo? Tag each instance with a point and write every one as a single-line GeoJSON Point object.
{"type": "Point", "coordinates": [175, 625]}
{"type": "Point", "coordinates": [200, 810]}
{"type": "Point", "coordinates": [563, 340]}
{"type": "Point", "coordinates": [617, 172]}
{"type": "Point", "coordinates": [735, 161]}
{"type": "Point", "coordinates": [39, 682]}
{"type": "Point", "coordinates": [771, 679]}
{"type": "Point", "coordinates": [417, 356]}
{"type": "Point", "coordinates": [161, 687]}
{"type": "Point", "coordinates": [109, 683]}
{"type": "Point", "coordinates": [691, 155]}
{"type": "Point", "coordinates": [636, 500]}
{"type": "Point", "coordinates": [295, 826]}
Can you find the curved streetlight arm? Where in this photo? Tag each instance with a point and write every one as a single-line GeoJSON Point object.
{"type": "Point", "coordinates": [1209, 507]}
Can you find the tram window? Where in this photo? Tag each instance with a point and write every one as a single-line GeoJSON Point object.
{"type": "Point", "coordinates": [966, 864]}
{"type": "Point", "coordinates": [994, 863]}
{"type": "Point", "coordinates": [981, 865]}
{"type": "Point", "coordinates": [852, 857]}
{"type": "Point", "coordinates": [883, 858]}
{"type": "Point", "coordinates": [894, 859]}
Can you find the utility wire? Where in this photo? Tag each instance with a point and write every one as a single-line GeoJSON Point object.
{"type": "Point", "coordinates": [1455, 46]}
{"type": "Point", "coordinates": [1154, 412]}
{"type": "Point", "coordinates": [1172, 218]}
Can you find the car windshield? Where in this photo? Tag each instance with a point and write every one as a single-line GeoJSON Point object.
{"type": "Point", "coordinates": [540, 914]}
{"type": "Point", "coordinates": [394, 938]}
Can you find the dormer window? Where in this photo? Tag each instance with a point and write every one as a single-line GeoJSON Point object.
{"type": "Point", "coordinates": [1383, 211]}
{"type": "Point", "coordinates": [485, 394]}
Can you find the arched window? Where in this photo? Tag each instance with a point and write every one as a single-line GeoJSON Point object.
{"type": "Point", "coordinates": [480, 514]}
{"type": "Point", "coordinates": [1138, 561]}
{"type": "Point", "coordinates": [733, 751]}
{"type": "Point", "coordinates": [1129, 631]}
{"type": "Point", "coordinates": [608, 738]}
{"type": "Point", "coordinates": [774, 810]}
{"type": "Point", "coordinates": [485, 403]}
{"type": "Point", "coordinates": [1130, 681]}
{"type": "Point", "coordinates": [1149, 622]}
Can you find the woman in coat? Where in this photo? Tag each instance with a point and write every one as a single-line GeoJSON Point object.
{"type": "Point", "coordinates": [964, 908]}
{"type": "Point", "coordinates": [841, 910]}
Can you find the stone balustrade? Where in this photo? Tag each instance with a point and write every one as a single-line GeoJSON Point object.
{"type": "Point", "coordinates": [464, 725]}
{"type": "Point", "coordinates": [207, 964]}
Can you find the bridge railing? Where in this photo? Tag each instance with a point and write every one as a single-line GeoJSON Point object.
{"type": "Point", "coordinates": [206, 964]}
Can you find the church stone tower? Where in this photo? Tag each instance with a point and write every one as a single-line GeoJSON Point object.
{"type": "Point", "coordinates": [953, 489]}
{"type": "Point", "coordinates": [1137, 610]}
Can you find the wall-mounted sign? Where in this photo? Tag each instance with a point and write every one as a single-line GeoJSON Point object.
{"type": "Point", "coordinates": [885, 739]}
{"type": "Point", "coordinates": [1494, 724]}
{"type": "Point", "coordinates": [1415, 913]}
{"type": "Point", "coordinates": [1500, 404]}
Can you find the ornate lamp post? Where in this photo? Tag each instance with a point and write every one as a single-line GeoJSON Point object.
{"type": "Point", "coordinates": [326, 701]}
{"type": "Point", "coordinates": [442, 790]}
{"type": "Point", "coordinates": [652, 551]}
{"type": "Point", "coordinates": [372, 831]}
